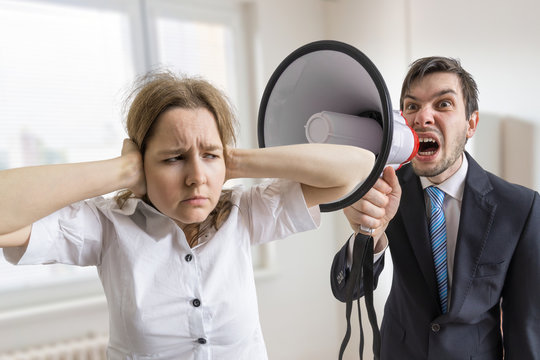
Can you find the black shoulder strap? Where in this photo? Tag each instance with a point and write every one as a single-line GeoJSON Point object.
{"type": "Point", "coordinates": [362, 268]}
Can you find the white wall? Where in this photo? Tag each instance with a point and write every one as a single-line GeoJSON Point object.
{"type": "Point", "coordinates": [300, 318]}
{"type": "Point", "coordinates": [497, 42]}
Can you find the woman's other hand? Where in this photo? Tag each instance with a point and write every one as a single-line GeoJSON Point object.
{"type": "Point", "coordinates": [133, 168]}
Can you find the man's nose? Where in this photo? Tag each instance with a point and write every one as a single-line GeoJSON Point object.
{"type": "Point", "coordinates": [424, 116]}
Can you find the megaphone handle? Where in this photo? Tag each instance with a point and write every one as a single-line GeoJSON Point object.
{"type": "Point", "coordinates": [361, 273]}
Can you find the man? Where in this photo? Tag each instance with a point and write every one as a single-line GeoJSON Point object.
{"type": "Point", "coordinates": [466, 276]}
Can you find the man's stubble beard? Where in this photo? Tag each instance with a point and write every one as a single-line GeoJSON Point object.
{"type": "Point", "coordinates": [444, 164]}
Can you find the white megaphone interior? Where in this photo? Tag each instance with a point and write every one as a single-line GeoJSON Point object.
{"type": "Point", "coordinates": [337, 128]}
{"type": "Point", "coordinates": [324, 81]}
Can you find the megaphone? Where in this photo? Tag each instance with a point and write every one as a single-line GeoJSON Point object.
{"type": "Point", "coordinates": [330, 92]}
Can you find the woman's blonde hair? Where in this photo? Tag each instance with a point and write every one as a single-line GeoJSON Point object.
{"type": "Point", "coordinates": [155, 93]}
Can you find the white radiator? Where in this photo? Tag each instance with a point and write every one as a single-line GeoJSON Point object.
{"type": "Point", "coordinates": [92, 347]}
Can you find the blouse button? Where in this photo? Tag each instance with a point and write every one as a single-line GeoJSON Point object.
{"type": "Point", "coordinates": [188, 257]}
{"type": "Point", "coordinates": [196, 302]}
{"type": "Point", "coordinates": [201, 341]}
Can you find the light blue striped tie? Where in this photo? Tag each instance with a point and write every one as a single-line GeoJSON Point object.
{"type": "Point", "coordinates": [437, 232]}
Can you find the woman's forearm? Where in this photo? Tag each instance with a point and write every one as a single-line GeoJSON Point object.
{"type": "Point", "coordinates": [316, 166]}
{"type": "Point", "coordinates": [319, 165]}
{"type": "Point", "coordinates": [31, 193]}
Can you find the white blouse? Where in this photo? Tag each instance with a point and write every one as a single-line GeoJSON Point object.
{"type": "Point", "coordinates": [165, 299]}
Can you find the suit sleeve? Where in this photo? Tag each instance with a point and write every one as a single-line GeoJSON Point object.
{"type": "Point", "coordinates": [521, 293]}
{"type": "Point", "coordinates": [339, 273]}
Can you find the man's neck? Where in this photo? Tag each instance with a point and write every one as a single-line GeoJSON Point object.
{"type": "Point", "coordinates": [442, 177]}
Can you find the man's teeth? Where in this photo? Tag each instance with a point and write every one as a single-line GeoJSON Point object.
{"type": "Point", "coordinates": [426, 140]}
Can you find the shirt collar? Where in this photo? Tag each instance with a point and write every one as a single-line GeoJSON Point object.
{"type": "Point", "coordinates": [455, 184]}
{"type": "Point", "coordinates": [130, 206]}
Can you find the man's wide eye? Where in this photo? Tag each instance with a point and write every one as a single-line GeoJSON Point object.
{"type": "Point", "coordinates": [410, 107]}
{"type": "Point", "coordinates": [445, 103]}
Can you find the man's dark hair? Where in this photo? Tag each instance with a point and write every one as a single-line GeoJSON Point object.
{"type": "Point", "coordinates": [428, 65]}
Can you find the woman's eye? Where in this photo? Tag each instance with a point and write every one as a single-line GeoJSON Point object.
{"type": "Point", "coordinates": [174, 159]}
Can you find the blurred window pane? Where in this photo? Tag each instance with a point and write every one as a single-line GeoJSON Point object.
{"type": "Point", "coordinates": [64, 70]}
{"type": "Point", "coordinates": [61, 68]}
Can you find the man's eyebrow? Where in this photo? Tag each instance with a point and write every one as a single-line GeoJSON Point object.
{"type": "Point", "coordinates": [436, 95]}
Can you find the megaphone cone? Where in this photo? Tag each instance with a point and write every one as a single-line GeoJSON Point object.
{"type": "Point", "coordinates": [329, 91]}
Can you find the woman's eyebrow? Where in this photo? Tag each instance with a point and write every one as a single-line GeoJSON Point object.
{"type": "Point", "coordinates": [177, 151]}
{"type": "Point", "coordinates": [174, 151]}
{"type": "Point", "coordinates": [212, 147]}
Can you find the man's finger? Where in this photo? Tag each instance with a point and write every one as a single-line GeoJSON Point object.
{"type": "Point", "coordinates": [377, 197]}
{"type": "Point", "coordinates": [382, 186]}
{"type": "Point", "coordinates": [392, 180]}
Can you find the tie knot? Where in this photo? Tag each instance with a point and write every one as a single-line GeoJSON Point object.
{"type": "Point", "coordinates": [436, 196]}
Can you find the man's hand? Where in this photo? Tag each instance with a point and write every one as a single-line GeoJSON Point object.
{"type": "Point", "coordinates": [377, 207]}
{"type": "Point", "coordinates": [134, 168]}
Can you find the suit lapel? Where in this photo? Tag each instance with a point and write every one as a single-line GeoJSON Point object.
{"type": "Point", "coordinates": [476, 219]}
{"type": "Point", "coordinates": [415, 223]}
{"type": "Point", "coordinates": [477, 214]}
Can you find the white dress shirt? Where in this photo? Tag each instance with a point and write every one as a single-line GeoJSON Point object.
{"type": "Point", "coordinates": [165, 299]}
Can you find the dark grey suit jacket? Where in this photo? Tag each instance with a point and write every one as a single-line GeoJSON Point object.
{"type": "Point", "coordinates": [496, 265]}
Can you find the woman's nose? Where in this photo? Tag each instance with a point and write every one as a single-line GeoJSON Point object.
{"type": "Point", "coordinates": [196, 174]}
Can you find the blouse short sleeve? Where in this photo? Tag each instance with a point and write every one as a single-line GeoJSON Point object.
{"type": "Point", "coordinates": [278, 209]}
{"type": "Point", "coordinates": [72, 235]}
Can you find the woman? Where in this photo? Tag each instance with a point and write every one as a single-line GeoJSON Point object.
{"type": "Point", "coordinates": [173, 251]}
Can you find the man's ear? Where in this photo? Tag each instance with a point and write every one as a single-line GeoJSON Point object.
{"type": "Point", "coordinates": [472, 124]}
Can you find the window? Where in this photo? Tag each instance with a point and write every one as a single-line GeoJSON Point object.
{"type": "Point", "coordinates": [64, 69]}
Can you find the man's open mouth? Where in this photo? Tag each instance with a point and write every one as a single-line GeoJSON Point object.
{"type": "Point", "coordinates": [427, 146]}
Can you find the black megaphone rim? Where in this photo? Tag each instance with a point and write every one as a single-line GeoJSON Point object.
{"type": "Point", "coordinates": [386, 104]}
